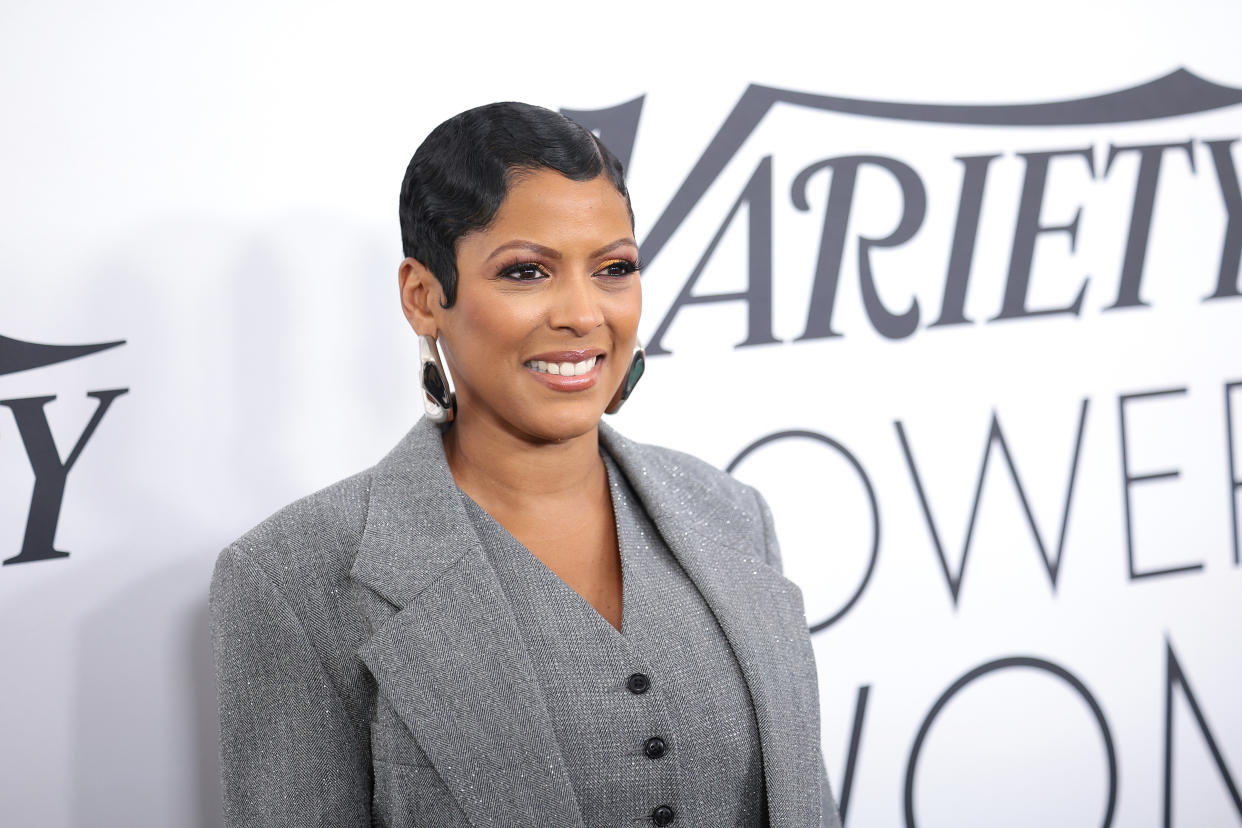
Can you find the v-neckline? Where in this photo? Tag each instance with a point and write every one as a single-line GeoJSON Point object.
{"type": "Point", "coordinates": [613, 476]}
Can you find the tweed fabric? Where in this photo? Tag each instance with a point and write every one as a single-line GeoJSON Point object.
{"type": "Point", "coordinates": [370, 668]}
{"type": "Point", "coordinates": [697, 703]}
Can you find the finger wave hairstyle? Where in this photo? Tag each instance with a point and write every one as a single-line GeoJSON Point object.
{"type": "Point", "coordinates": [461, 173]}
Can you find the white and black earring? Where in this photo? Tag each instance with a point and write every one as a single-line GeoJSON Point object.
{"type": "Point", "coordinates": [439, 396]}
{"type": "Point", "coordinates": [638, 364]}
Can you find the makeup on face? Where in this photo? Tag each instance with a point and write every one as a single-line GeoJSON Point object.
{"type": "Point", "coordinates": [547, 307]}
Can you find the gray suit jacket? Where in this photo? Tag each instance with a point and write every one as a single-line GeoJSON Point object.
{"type": "Point", "coordinates": [370, 670]}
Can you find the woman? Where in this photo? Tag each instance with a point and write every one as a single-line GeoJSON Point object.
{"type": "Point", "coordinates": [518, 617]}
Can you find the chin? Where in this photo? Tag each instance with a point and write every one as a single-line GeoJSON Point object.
{"type": "Point", "coordinates": [561, 426]}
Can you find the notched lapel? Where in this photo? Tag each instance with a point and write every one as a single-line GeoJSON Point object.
{"type": "Point", "coordinates": [445, 649]}
{"type": "Point", "coordinates": [760, 612]}
{"type": "Point", "coordinates": [450, 663]}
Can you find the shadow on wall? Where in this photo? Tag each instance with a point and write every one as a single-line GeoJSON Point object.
{"type": "Point", "coordinates": [264, 342]}
{"type": "Point", "coordinates": [145, 720]}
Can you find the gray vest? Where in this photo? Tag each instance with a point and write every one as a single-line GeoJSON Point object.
{"type": "Point", "coordinates": [655, 721]}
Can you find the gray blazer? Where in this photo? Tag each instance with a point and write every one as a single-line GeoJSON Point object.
{"type": "Point", "coordinates": [370, 670]}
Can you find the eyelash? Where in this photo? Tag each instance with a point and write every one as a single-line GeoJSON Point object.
{"type": "Point", "coordinates": [512, 271]}
{"type": "Point", "coordinates": [630, 265]}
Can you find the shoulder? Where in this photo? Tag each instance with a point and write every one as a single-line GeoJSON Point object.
{"type": "Point", "coordinates": [681, 472]}
{"type": "Point", "coordinates": [688, 492]}
{"type": "Point", "coordinates": [312, 540]}
{"type": "Point", "coordinates": [301, 558]}
{"type": "Point", "coordinates": [284, 587]}
{"type": "Point", "coordinates": [292, 571]}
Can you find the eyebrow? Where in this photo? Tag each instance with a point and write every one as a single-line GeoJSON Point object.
{"type": "Point", "coordinates": [551, 253]}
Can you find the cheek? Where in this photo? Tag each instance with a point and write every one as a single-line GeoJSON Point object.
{"type": "Point", "coordinates": [626, 311]}
{"type": "Point", "coordinates": [489, 329]}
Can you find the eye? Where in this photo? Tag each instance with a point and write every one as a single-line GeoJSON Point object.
{"type": "Point", "coordinates": [617, 268]}
{"type": "Point", "coordinates": [524, 272]}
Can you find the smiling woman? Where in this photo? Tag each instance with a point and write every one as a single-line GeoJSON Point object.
{"type": "Point", "coordinates": [547, 300]}
{"type": "Point", "coordinates": [518, 617]}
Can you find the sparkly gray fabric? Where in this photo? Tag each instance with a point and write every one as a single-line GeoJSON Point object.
{"type": "Point", "coordinates": [371, 669]}
{"type": "Point", "coordinates": [697, 703]}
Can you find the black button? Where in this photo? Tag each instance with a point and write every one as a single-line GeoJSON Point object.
{"type": "Point", "coordinates": [638, 683]}
{"type": "Point", "coordinates": [654, 748]}
{"type": "Point", "coordinates": [663, 815]}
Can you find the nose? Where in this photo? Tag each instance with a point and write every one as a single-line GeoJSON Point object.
{"type": "Point", "coordinates": [575, 306]}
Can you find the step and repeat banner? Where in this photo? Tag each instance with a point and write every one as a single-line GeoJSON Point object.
{"type": "Point", "coordinates": [960, 296]}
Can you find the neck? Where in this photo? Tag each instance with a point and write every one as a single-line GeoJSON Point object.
{"type": "Point", "coordinates": [495, 465]}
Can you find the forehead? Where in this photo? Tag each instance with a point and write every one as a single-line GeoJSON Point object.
{"type": "Point", "coordinates": [545, 206]}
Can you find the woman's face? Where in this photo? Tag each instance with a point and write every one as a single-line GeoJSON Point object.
{"type": "Point", "coordinates": [548, 300]}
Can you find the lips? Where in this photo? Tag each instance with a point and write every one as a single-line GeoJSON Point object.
{"type": "Point", "coordinates": [566, 370]}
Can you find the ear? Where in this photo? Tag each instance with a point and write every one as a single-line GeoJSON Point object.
{"type": "Point", "coordinates": [421, 296]}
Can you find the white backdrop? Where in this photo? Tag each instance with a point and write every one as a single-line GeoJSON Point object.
{"type": "Point", "coordinates": [216, 186]}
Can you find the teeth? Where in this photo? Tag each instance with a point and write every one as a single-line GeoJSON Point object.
{"type": "Point", "coordinates": [563, 369]}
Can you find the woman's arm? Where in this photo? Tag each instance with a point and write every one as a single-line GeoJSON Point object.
{"type": "Point", "coordinates": [772, 549]}
{"type": "Point", "coordinates": [289, 752]}
{"type": "Point", "coordinates": [773, 557]}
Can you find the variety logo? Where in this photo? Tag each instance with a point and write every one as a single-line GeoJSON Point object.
{"type": "Point", "coordinates": [1180, 93]}
{"type": "Point", "coordinates": [50, 471]}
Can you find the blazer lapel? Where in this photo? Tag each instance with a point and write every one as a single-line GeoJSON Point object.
{"type": "Point", "coordinates": [445, 649]}
{"type": "Point", "coordinates": [760, 612]}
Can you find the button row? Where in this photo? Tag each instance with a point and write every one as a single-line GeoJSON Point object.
{"type": "Point", "coordinates": [639, 683]}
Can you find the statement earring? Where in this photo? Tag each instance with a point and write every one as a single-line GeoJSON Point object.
{"type": "Point", "coordinates": [439, 398]}
{"type": "Point", "coordinates": [638, 364]}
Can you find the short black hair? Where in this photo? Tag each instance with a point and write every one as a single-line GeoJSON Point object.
{"type": "Point", "coordinates": [462, 171]}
